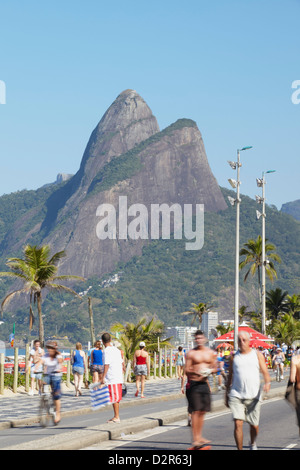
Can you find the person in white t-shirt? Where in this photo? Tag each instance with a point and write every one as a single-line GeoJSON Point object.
{"type": "Point", "coordinates": [51, 363]}
{"type": "Point", "coordinates": [35, 355]}
{"type": "Point", "coordinates": [243, 389]}
{"type": "Point", "coordinates": [113, 375]}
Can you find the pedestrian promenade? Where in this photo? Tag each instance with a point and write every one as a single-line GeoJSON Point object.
{"type": "Point", "coordinates": [23, 406]}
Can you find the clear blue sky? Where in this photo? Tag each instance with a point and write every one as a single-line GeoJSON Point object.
{"type": "Point", "coordinates": [228, 65]}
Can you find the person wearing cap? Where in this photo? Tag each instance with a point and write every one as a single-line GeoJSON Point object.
{"type": "Point", "coordinates": [278, 360]}
{"type": "Point", "coordinates": [52, 363]}
{"type": "Point", "coordinates": [141, 368]}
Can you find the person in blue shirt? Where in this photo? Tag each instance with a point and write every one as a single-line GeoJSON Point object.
{"type": "Point", "coordinates": [97, 362]}
{"type": "Point", "coordinates": [79, 368]}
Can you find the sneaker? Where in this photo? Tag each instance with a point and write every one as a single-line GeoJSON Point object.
{"type": "Point", "coordinates": [253, 446]}
{"type": "Point", "coordinates": [31, 393]}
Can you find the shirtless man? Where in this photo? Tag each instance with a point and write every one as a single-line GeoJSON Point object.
{"type": "Point", "coordinates": [295, 378]}
{"type": "Point", "coordinates": [200, 363]}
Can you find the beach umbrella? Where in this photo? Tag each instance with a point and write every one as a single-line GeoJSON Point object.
{"type": "Point", "coordinates": [224, 345]}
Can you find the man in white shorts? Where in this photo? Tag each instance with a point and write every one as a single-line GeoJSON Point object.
{"type": "Point", "coordinates": [113, 375]}
{"type": "Point", "coordinates": [243, 392]}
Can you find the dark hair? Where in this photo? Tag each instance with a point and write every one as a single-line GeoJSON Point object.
{"type": "Point", "coordinates": [106, 338]}
{"type": "Point", "coordinates": [199, 333]}
{"type": "Point", "coordinates": [180, 348]}
{"type": "Point", "coordinates": [36, 341]}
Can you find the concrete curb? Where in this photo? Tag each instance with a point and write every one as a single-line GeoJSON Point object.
{"type": "Point", "coordinates": [76, 440]}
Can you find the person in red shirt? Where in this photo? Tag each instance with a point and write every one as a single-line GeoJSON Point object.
{"type": "Point", "coordinates": [141, 368]}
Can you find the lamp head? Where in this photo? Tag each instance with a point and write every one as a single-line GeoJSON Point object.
{"type": "Point", "coordinates": [231, 200]}
{"type": "Point", "coordinates": [233, 183]}
{"type": "Point", "coordinates": [232, 164]}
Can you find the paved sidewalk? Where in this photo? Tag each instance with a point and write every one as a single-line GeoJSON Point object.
{"type": "Point", "coordinates": [22, 406]}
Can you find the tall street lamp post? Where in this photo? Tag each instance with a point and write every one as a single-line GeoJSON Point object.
{"type": "Point", "coordinates": [261, 182]}
{"type": "Point", "coordinates": [236, 185]}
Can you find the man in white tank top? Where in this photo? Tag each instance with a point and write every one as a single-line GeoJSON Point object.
{"type": "Point", "coordinates": [243, 391]}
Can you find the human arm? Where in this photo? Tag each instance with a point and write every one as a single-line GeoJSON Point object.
{"type": "Point", "coordinates": [264, 371]}
{"type": "Point", "coordinates": [229, 381]}
{"type": "Point", "coordinates": [183, 379]}
{"type": "Point", "coordinates": [188, 370]}
{"type": "Point", "coordinates": [293, 370]}
{"type": "Point", "coordinates": [214, 363]}
{"type": "Point", "coordinates": [134, 360]}
{"type": "Point", "coordinates": [106, 367]}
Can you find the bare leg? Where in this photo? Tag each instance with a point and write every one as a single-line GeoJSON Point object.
{"type": "Point", "coordinates": [116, 408]}
{"type": "Point", "coordinates": [57, 410]}
{"type": "Point", "coordinates": [137, 378]}
{"type": "Point", "coordinates": [253, 433]}
{"type": "Point", "coordinates": [142, 385]}
{"type": "Point", "coordinates": [80, 382]}
{"type": "Point", "coordinates": [197, 426]}
{"type": "Point", "coordinates": [76, 383]}
{"type": "Point", "coordinates": [238, 433]}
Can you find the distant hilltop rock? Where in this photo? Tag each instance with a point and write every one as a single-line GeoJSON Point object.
{"type": "Point", "coordinates": [61, 177]}
{"type": "Point", "coordinates": [292, 208]}
{"type": "Point", "coordinates": [126, 155]}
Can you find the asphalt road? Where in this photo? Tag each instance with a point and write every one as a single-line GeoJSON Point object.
{"type": "Point", "coordinates": [278, 431]}
{"type": "Point", "coordinates": [30, 433]}
{"type": "Point", "coordinates": [78, 424]}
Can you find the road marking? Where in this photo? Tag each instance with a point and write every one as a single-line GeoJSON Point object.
{"type": "Point", "coordinates": [290, 446]}
{"type": "Point", "coordinates": [126, 438]}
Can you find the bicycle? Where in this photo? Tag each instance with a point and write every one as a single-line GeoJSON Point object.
{"type": "Point", "coordinates": [278, 373]}
{"type": "Point", "coordinates": [47, 406]}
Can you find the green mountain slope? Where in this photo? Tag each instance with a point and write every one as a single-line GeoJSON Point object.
{"type": "Point", "coordinates": [166, 278]}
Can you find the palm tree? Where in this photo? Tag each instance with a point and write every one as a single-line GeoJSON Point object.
{"type": "Point", "coordinates": [244, 314]}
{"type": "Point", "coordinates": [293, 304]}
{"type": "Point", "coordinates": [222, 329]}
{"type": "Point", "coordinates": [253, 256]}
{"type": "Point", "coordinates": [131, 334]}
{"type": "Point", "coordinates": [198, 310]}
{"type": "Point", "coordinates": [286, 329]}
{"type": "Point", "coordinates": [37, 271]}
{"type": "Point", "coordinates": [276, 303]}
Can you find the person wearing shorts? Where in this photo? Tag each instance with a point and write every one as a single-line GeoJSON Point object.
{"type": "Point", "coordinates": [243, 392]}
{"type": "Point", "coordinates": [180, 360]}
{"type": "Point", "coordinates": [97, 362]}
{"type": "Point", "coordinates": [52, 363]}
{"type": "Point", "coordinates": [113, 375]}
{"type": "Point", "coordinates": [200, 363]}
{"type": "Point", "coordinates": [79, 367]}
{"type": "Point", "coordinates": [35, 355]}
{"type": "Point", "coordinates": [141, 368]}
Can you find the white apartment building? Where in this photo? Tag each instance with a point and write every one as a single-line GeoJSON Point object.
{"type": "Point", "coordinates": [210, 320]}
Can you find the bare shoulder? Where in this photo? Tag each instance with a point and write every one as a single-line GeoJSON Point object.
{"type": "Point", "coordinates": [296, 360]}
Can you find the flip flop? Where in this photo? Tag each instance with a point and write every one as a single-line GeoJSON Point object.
{"type": "Point", "coordinates": [114, 420]}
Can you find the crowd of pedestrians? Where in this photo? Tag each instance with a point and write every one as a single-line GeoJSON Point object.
{"type": "Point", "coordinates": [238, 374]}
